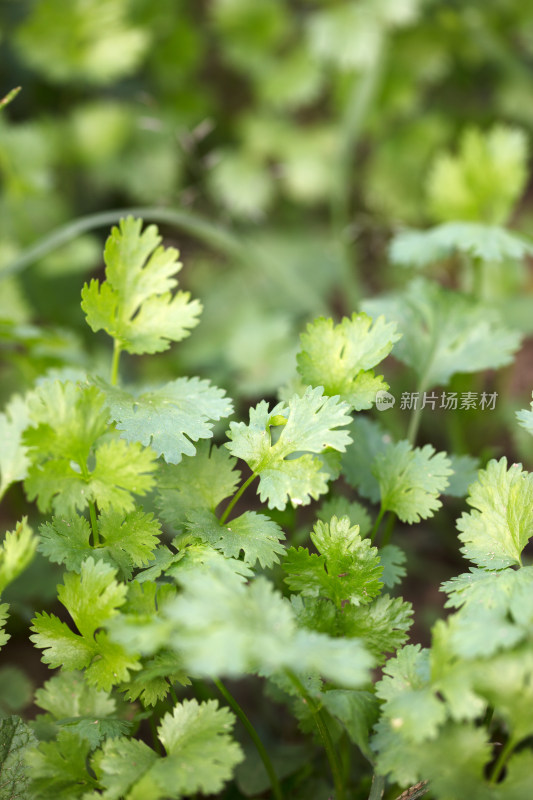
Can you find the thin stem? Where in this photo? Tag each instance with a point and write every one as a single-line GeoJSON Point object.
{"type": "Point", "coordinates": [387, 533]}
{"type": "Point", "coordinates": [501, 761]}
{"type": "Point", "coordinates": [173, 694]}
{"type": "Point", "coordinates": [10, 96]}
{"type": "Point", "coordinates": [416, 417]}
{"type": "Point", "coordinates": [238, 494]}
{"type": "Point", "coordinates": [193, 224]}
{"type": "Point", "coordinates": [117, 349]}
{"type": "Point", "coordinates": [324, 735]}
{"type": "Point", "coordinates": [226, 694]}
{"type": "Point", "coordinates": [155, 738]}
{"type": "Point", "coordinates": [94, 524]}
{"type": "Point", "coordinates": [377, 523]}
{"type": "Point", "coordinates": [378, 787]}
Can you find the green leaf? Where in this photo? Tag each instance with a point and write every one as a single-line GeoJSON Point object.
{"type": "Point", "coordinates": [525, 419]}
{"type": "Point", "coordinates": [484, 242]}
{"type": "Point", "coordinates": [347, 567]}
{"type": "Point", "coordinates": [58, 769]}
{"type": "Point", "coordinates": [358, 711]}
{"type": "Point", "coordinates": [4, 616]}
{"type": "Point", "coordinates": [62, 647]}
{"type": "Point", "coordinates": [340, 357]}
{"type": "Point", "coordinates": [134, 305]}
{"type": "Point", "coordinates": [152, 683]}
{"type": "Point", "coordinates": [67, 419]}
{"type": "Point", "coordinates": [16, 552]}
{"type": "Point", "coordinates": [127, 541]}
{"type": "Point", "coordinates": [93, 596]}
{"type": "Point", "coordinates": [411, 706]}
{"type": "Point", "coordinates": [339, 506]}
{"type": "Point", "coordinates": [70, 422]}
{"type": "Point", "coordinates": [508, 590]}
{"type": "Point", "coordinates": [392, 560]}
{"type": "Point", "coordinates": [13, 456]}
{"type": "Point", "coordinates": [225, 627]}
{"type": "Point", "coordinates": [168, 419]}
{"type": "Point", "coordinates": [16, 740]}
{"type": "Point", "coordinates": [410, 480]}
{"type": "Point", "coordinates": [445, 332]}
{"type": "Point", "coordinates": [256, 535]}
{"type": "Point", "coordinates": [308, 425]}
{"type": "Point", "coordinates": [498, 529]}
{"type": "Point", "coordinates": [382, 625]}
{"type": "Point", "coordinates": [201, 756]}
{"type": "Point", "coordinates": [484, 180]}
{"type": "Point", "coordinates": [465, 469]}
{"type": "Point", "coordinates": [369, 439]}
{"type": "Point", "coordinates": [81, 709]}
{"type": "Point", "coordinates": [199, 483]}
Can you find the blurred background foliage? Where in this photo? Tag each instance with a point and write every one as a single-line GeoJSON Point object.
{"type": "Point", "coordinates": [294, 137]}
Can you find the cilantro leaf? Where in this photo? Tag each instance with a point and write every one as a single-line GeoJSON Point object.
{"type": "Point", "coordinates": [4, 637]}
{"type": "Point", "coordinates": [16, 741]}
{"type": "Point", "coordinates": [127, 540]}
{"type": "Point", "coordinates": [59, 768]}
{"type": "Point", "coordinates": [200, 756]}
{"type": "Point", "coordinates": [392, 560]}
{"type": "Point", "coordinates": [465, 469]}
{"type": "Point", "coordinates": [357, 710]}
{"type": "Point", "coordinates": [69, 425]}
{"type": "Point", "coordinates": [14, 461]}
{"type": "Point", "coordinates": [498, 529]}
{"type": "Point", "coordinates": [486, 242]}
{"type": "Point", "coordinates": [340, 357]}
{"type": "Point", "coordinates": [16, 552]}
{"type": "Point", "coordinates": [484, 180]}
{"type": "Point", "coordinates": [410, 480]}
{"type": "Point", "coordinates": [152, 682]}
{"type": "Point", "coordinates": [227, 627]}
{"type": "Point", "coordinates": [134, 305]}
{"type": "Point", "coordinates": [256, 535]}
{"type": "Point", "coordinates": [81, 709]}
{"type": "Point", "coordinates": [168, 419]}
{"type": "Point", "coordinates": [308, 426]}
{"type": "Point", "coordinates": [347, 567]}
{"type": "Point", "coordinates": [525, 419]}
{"type": "Point", "coordinates": [411, 705]}
{"type": "Point", "coordinates": [445, 332]}
{"type": "Point", "coordinates": [382, 625]}
{"type": "Point", "coordinates": [202, 482]}
{"type": "Point", "coordinates": [369, 439]}
{"type": "Point", "coordinates": [342, 507]}
{"type": "Point", "coordinates": [92, 598]}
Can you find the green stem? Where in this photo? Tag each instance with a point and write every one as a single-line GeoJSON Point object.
{"type": "Point", "coordinates": [173, 695]}
{"type": "Point", "coordinates": [117, 349]}
{"type": "Point", "coordinates": [362, 96]}
{"type": "Point", "coordinates": [238, 494]}
{"type": "Point", "coordinates": [501, 761]}
{"type": "Point", "coordinates": [276, 788]}
{"type": "Point", "coordinates": [378, 787]}
{"type": "Point", "coordinates": [377, 523]}
{"type": "Point", "coordinates": [10, 96]}
{"type": "Point", "coordinates": [416, 417]}
{"type": "Point", "coordinates": [192, 224]}
{"type": "Point", "coordinates": [155, 738]}
{"type": "Point", "coordinates": [387, 533]}
{"type": "Point", "coordinates": [94, 524]}
{"type": "Point", "coordinates": [323, 730]}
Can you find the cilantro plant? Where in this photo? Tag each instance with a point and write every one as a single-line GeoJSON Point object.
{"type": "Point", "coordinates": [263, 556]}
